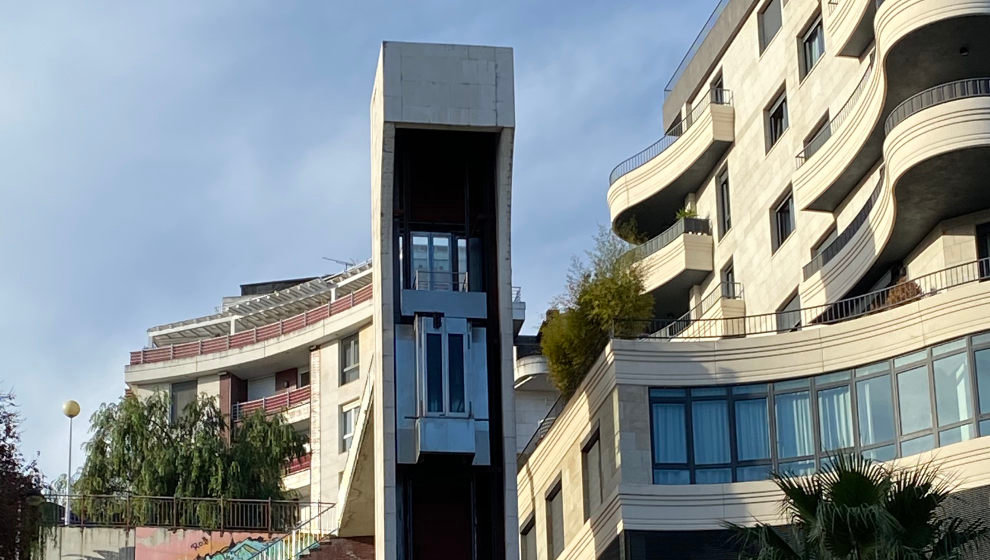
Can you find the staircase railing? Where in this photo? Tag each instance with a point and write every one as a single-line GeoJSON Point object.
{"type": "Point", "coordinates": [301, 538]}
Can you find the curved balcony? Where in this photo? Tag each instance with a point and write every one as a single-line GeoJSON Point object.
{"type": "Point", "coordinates": [278, 403]}
{"type": "Point", "coordinates": [849, 25]}
{"type": "Point", "coordinates": [675, 260]}
{"type": "Point", "coordinates": [651, 185]}
{"type": "Point", "coordinates": [919, 43]}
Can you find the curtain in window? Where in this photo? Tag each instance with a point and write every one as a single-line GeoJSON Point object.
{"type": "Point", "coordinates": [952, 395]}
{"type": "Point", "coordinates": [875, 405]}
{"type": "Point", "coordinates": [915, 401]}
{"type": "Point", "coordinates": [669, 433]}
{"type": "Point", "coordinates": [752, 430]}
{"type": "Point", "coordinates": [710, 422]}
{"type": "Point", "coordinates": [983, 378]}
{"type": "Point", "coordinates": [794, 435]}
{"type": "Point", "coordinates": [835, 418]}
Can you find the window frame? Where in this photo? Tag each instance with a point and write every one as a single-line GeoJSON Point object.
{"type": "Point", "coordinates": [529, 527]}
{"type": "Point", "coordinates": [346, 438]}
{"type": "Point", "coordinates": [593, 439]}
{"type": "Point", "coordinates": [723, 200]}
{"type": "Point", "coordinates": [349, 373]}
{"type": "Point", "coordinates": [776, 239]}
{"type": "Point", "coordinates": [174, 411]}
{"type": "Point", "coordinates": [426, 326]}
{"type": "Point", "coordinates": [779, 102]}
{"type": "Point", "coordinates": [727, 278]}
{"type": "Point", "coordinates": [763, 40]}
{"type": "Point", "coordinates": [805, 65]}
{"type": "Point", "coordinates": [555, 491]}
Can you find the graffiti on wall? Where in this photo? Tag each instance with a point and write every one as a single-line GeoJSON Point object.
{"type": "Point", "coordinates": [156, 544]}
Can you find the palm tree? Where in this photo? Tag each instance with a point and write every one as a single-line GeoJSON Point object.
{"type": "Point", "coordinates": [857, 509]}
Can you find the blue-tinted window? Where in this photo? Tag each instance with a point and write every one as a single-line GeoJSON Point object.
{"type": "Point", "coordinates": [794, 435]}
{"type": "Point", "coordinates": [914, 399]}
{"type": "Point", "coordinates": [434, 372]}
{"type": "Point", "coordinates": [885, 453]}
{"type": "Point", "coordinates": [798, 468]}
{"type": "Point", "coordinates": [983, 378]}
{"type": "Point", "coordinates": [917, 445]}
{"type": "Point", "coordinates": [668, 476]}
{"type": "Point", "coordinates": [957, 434]}
{"type": "Point", "coordinates": [835, 418]}
{"type": "Point", "coordinates": [455, 348]}
{"type": "Point", "coordinates": [953, 398]}
{"type": "Point", "coordinates": [875, 405]}
{"type": "Point", "coordinates": [710, 422]}
{"type": "Point", "coordinates": [712, 476]}
{"type": "Point", "coordinates": [759, 472]}
{"type": "Point", "coordinates": [752, 429]}
{"type": "Point", "coordinates": [669, 433]}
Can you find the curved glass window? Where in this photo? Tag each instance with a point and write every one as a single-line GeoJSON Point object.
{"type": "Point", "coordinates": [895, 408]}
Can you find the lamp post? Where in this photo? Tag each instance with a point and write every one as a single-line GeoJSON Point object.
{"type": "Point", "coordinates": [71, 409]}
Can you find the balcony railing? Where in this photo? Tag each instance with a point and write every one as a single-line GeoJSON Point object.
{"type": "Point", "coordinates": [273, 404]}
{"type": "Point", "coordinates": [843, 310]}
{"type": "Point", "coordinates": [542, 429]}
{"type": "Point", "coordinates": [126, 511]}
{"type": "Point", "coordinates": [830, 251]}
{"type": "Point", "coordinates": [830, 128]}
{"type": "Point", "coordinates": [258, 334]}
{"type": "Point", "coordinates": [960, 89]}
{"type": "Point", "coordinates": [680, 227]}
{"type": "Point", "coordinates": [299, 465]}
{"type": "Point", "coordinates": [303, 538]}
{"type": "Point", "coordinates": [516, 294]}
{"type": "Point", "coordinates": [700, 38]}
{"type": "Point", "coordinates": [730, 290]}
{"type": "Point", "coordinates": [440, 281]}
{"type": "Point", "coordinates": [716, 96]}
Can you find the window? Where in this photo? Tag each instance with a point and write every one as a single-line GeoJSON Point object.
{"type": "Point", "coordinates": [794, 435]}
{"type": "Point", "coordinates": [783, 221]}
{"type": "Point", "coordinates": [349, 360]}
{"type": "Point", "coordinates": [441, 358]}
{"type": "Point", "coordinates": [729, 282]}
{"type": "Point", "coordinates": [718, 91]}
{"type": "Point", "coordinates": [953, 396]}
{"type": "Point", "coordinates": [439, 262]}
{"type": "Point", "coordinates": [789, 315]}
{"type": "Point", "coordinates": [769, 23]}
{"type": "Point", "coordinates": [835, 418]}
{"type": "Point", "coordinates": [527, 541]}
{"type": "Point", "coordinates": [591, 468]}
{"type": "Point", "coordinates": [555, 521]}
{"type": "Point", "coordinates": [348, 416]}
{"type": "Point", "coordinates": [875, 408]}
{"type": "Point", "coordinates": [183, 394]}
{"type": "Point", "coordinates": [812, 45]}
{"type": "Point", "coordinates": [983, 249]}
{"type": "Point", "coordinates": [983, 379]}
{"type": "Point", "coordinates": [303, 378]}
{"type": "Point", "coordinates": [915, 401]}
{"type": "Point", "coordinates": [775, 117]}
{"type": "Point", "coordinates": [724, 207]}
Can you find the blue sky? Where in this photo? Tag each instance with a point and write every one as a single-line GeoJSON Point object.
{"type": "Point", "coordinates": [154, 157]}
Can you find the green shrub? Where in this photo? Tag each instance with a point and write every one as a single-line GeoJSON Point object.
{"type": "Point", "coordinates": [600, 290]}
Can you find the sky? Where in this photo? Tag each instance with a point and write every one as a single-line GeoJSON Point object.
{"type": "Point", "coordinates": [155, 156]}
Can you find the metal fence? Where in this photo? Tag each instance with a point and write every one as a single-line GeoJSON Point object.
{"type": "Point", "coordinates": [729, 290]}
{"type": "Point", "coordinates": [180, 513]}
{"type": "Point", "coordinates": [829, 252]}
{"type": "Point", "coordinates": [301, 538]}
{"type": "Point", "coordinates": [843, 310]}
{"type": "Point", "coordinates": [541, 430]}
{"type": "Point", "coordinates": [826, 132]}
{"type": "Point", "coordinates": [717, 96]}
{"type": "Point", "coordinates": [680, 227]}
{"type": "Point", "coordinates": [959, 89]}
{"type": "Point", "coordinates": [440, 280]}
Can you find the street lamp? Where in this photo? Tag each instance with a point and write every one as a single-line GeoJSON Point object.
{"type": "Point", "coordinates": [71, 409]}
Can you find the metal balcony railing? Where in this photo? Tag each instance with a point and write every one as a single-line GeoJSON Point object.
{"type": "Point", "coordinates": [830, 128]}
{"type": "Point", "coordinates": [685, 225]}
{"type": "Point", "coordinates": [542, 429]}
{"type": "Point", "coordinates": [440, 281]}
{"type": "Point", "coordinates": [127, 511]}
{"type": "Point", "coordinates": [273, 404]}
{"type": "Point", "coordinates": [959, 89]}
{"type": "Point", "coordinates": [830, 251]}
{"type": "Point", "coordinates": [303, 538]}
{"type": "Point", "coordinates": [716, 96]}
{"type": "Point", "coordinates": [258, 334]}
{"type": "Point", "coordinates": [843, 310]}
{"type": "Point", "coordinates": [730, 290]}
{"type": "Point", "coordinates": [299, 465]}
{"type": "Point", "coordinates": [516, 294]}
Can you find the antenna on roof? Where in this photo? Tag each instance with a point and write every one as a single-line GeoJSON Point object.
{"type": "Point", "coordinates": [347, 264]}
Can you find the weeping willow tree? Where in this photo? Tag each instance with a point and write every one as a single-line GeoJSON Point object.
{"type": "Point", "coordinates": [21, 529]}
{"type": "Point", "coordinates": [136, 448]}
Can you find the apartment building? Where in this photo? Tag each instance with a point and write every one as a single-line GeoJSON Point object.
{"type": "Point", "coordinates": [818, 231]}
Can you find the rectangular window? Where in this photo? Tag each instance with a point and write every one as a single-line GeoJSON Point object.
{"type": "Point", "coordinates": [983, 378]}
{"type": "Point", "coordinates": [555, 522]}
{"type": "Point", "coordinates": [835, 418]}
{"type": "Point", "coordinates": [441, 365]}
{"type": "Point", "coordinates": [350, 368]}
{"type": "Point", "coordinates": [591, 463]}
{"type": "Point", "coordinates": [914, 400]}
{"type": "Point", "coordinates": [729, 282]}
{"type": "Point", "coordinates": [983, 249]}
{"type": "Point", "coordinates": [669, 429]}
{"type": "Point", "coordinates": [752, 429]}
{"type": "Point", "coordinates": [794, 435]}
{"type": "Point", "coordinates": [775, 117]}
{"type": "Point", "coordinates": [769, 23]}
{"type": "Point", "coordinates": [724, 206]}
{"type": "Point", "coordinates": [953, 396]}
{"type": "Point", "coordinates": [434, 372]}
{"type": "Point", "coordinates": [812, 46]}
{"type": "Point", "coordinates": [183, 394]}
{"type": "Point", "coordinates": [710, 424]}
{"type": "Point", "coordinates": [455, 351]}
{"type": "Point", "coordinates": [789, 315]}
{"type": "Point", "coordinates": [875, 406]}
{"type": "Point", "coordinates": [439, 262]}
{"type": "Point", "coordinates": [782, 221]}
{"type": "Point", "coordinates": [348, 416]}
{"type": "Point", "coordinates": [527, 541]}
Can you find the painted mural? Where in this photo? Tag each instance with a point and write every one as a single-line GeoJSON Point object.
{"type": "Point", "coordinates": [152, 544]}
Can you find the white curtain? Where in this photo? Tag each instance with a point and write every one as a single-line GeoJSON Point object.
{"type": "Point", "coordinates": [710, 423]}
{"type": "Point", "coordinates": [794, 435]}
{"type": "Point", "coordinates": [835, 418]}
{"type": "Point", "coordinates": [669, 433]}
{"type": "Point", "coordinates": [752, 430]}
{"type": "Point", "coordinates": [876, 410]}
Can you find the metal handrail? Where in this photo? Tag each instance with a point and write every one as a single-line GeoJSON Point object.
{"type": "Point", "coordinates": [959, 89]}
{"type": "Point", "coordinates": [680, 227]}
{"type": "Point", "coordinates": [843, 310]}
{"type": "Point", "coordinates": [440, 281]}
{"type": "Point", "coordinates": [830, 251]}
{"type": "Point", "coordinates": [542, 429]}
{"type": "Point", "coordinates": [516, 294]}
{"type": "Point", "coordinates": [718, 96]}
{"type": "Point", "coordinates": [826, 132]}
{"type": "Point", "coordinates": [730, 290]}
{"type": "Point", "coordinates": [695, 45]}
{"type": "Point", "coordinates": [302, 538]}
{"type": "Point", "coordinates": [105, 510]}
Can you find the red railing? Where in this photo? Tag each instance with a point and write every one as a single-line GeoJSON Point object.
{"type": "Point", "coordinates": [273, 404]}
{"type": "Point", "coordinates": [238, 340]}
{"type": "Point", "coordinates": [298, 465]}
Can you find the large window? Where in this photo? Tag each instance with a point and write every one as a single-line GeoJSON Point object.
{"type": "Point", "coordinates": [442, 351]}
{"type": "Point", "coordinates": [769, 22]}
{"type": "Point", "coordinates": [724, 207]}
{"type": "Point", "coordinates": [782, 221]}
{"type": "Point", "coordinates": [350, 367]}
{"type": "Point", "coordinates": [591, 470]}
{"type": "Point", "coordinates": [812, 45]}
{"type": "Point", "coordinates": [889, 409]}
{"type": "Point", "coordinates": [555, 521]}
{"type": "Point", "coordinates": [183, 394]}
{"type": "Point", "coordinates": [527, 541]}
{"type": "Point", "coordinates": [775, 117]}
{"type": "Point", "coordinates": [439, 262]}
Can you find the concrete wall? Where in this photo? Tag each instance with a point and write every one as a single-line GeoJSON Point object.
{"type": "Point", "coordinates": [153, 543]}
